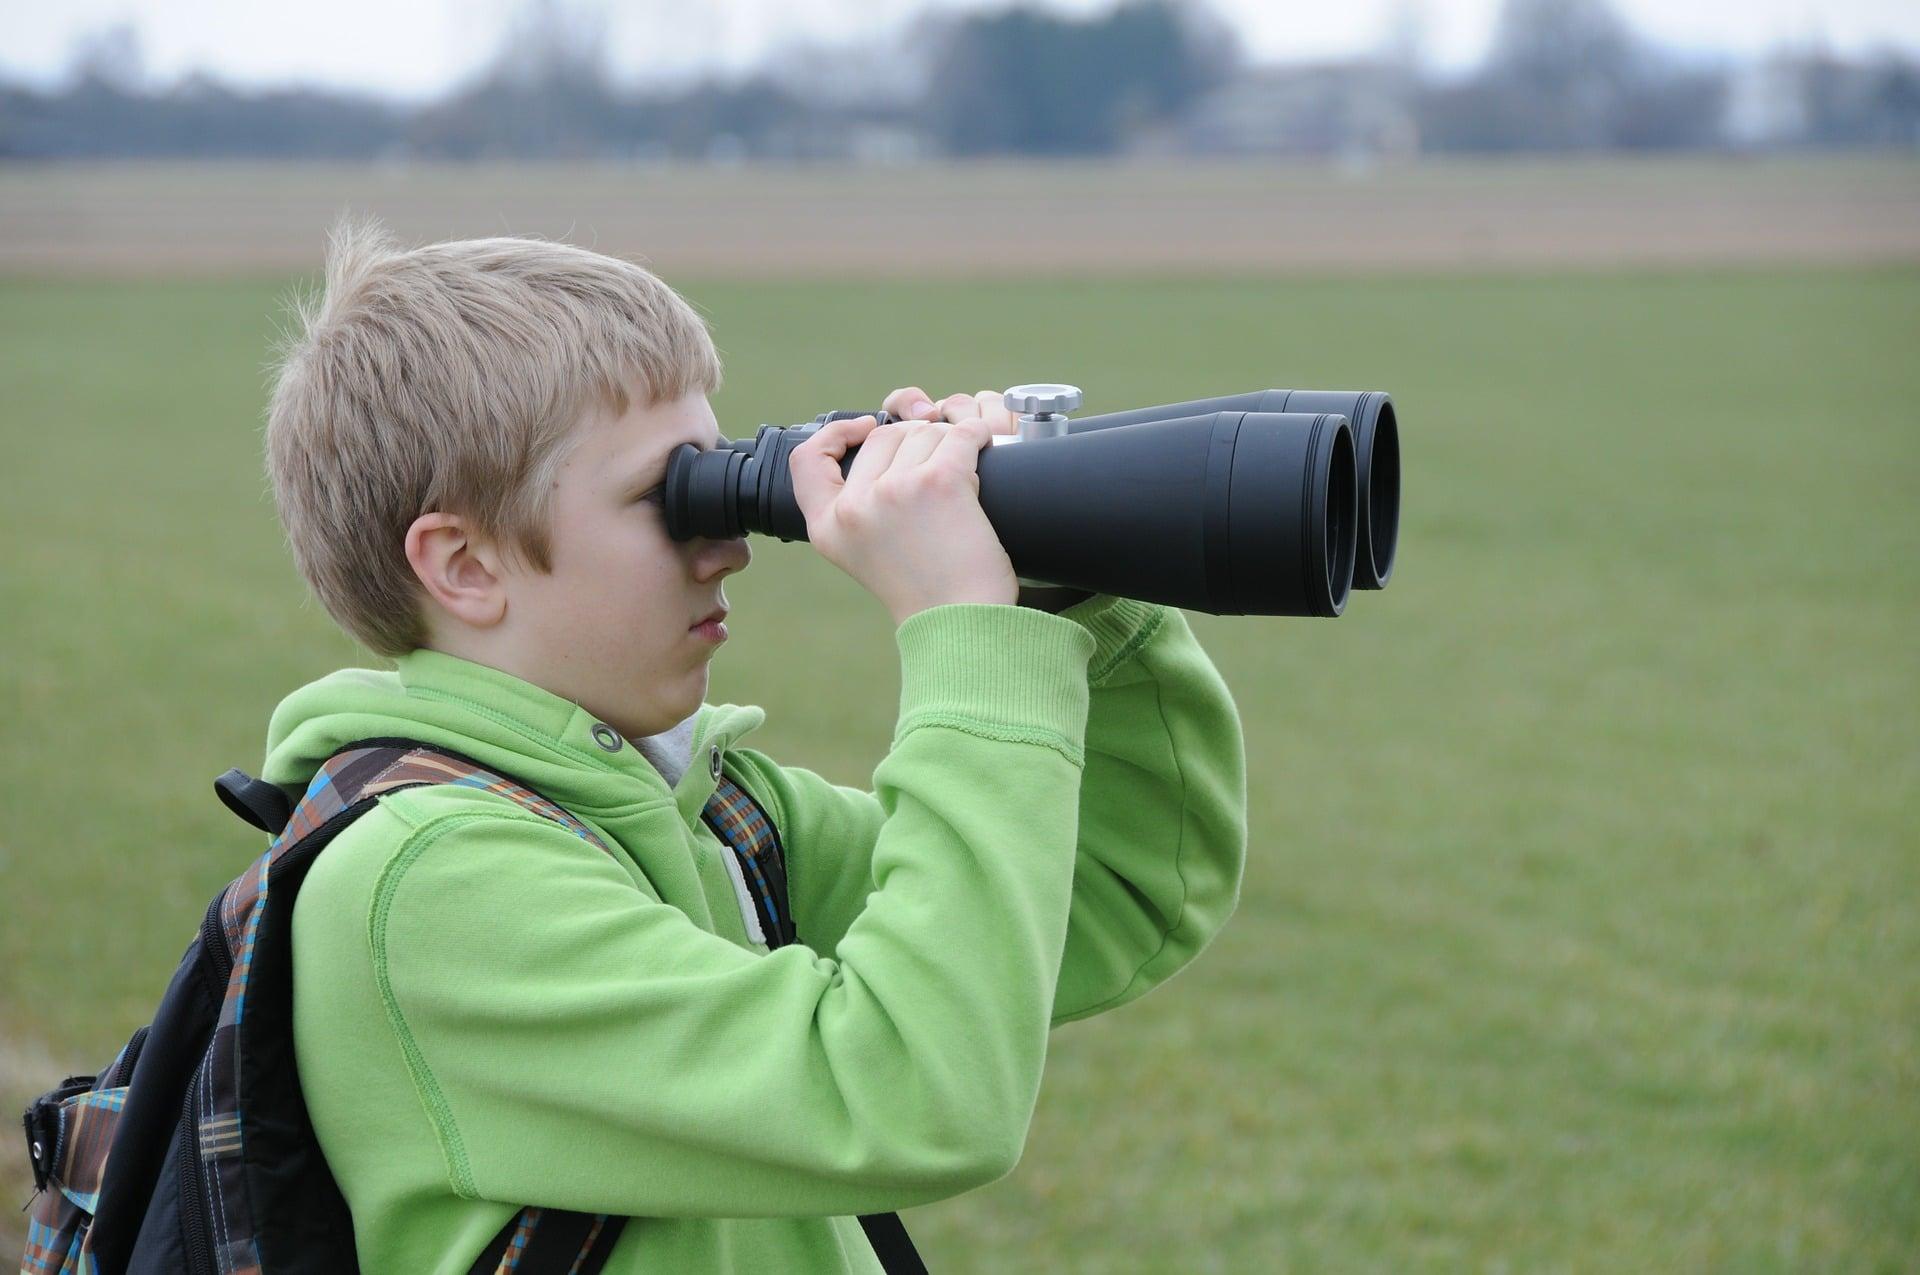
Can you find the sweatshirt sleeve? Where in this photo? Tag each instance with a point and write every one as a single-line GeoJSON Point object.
{"type": "Point", "coordinates": [573, 1041]}
{"type": "Point", "coordinates": [1162, 821]}
{"type": "Point", "coordinates": [1163, 809]}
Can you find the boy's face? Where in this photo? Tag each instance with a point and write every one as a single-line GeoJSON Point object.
{"type": "Point", "coordinates": [616, 625]}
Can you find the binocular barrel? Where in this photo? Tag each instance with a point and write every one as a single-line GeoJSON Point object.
{"type": "Point", "coordinates": [1376, 445]}
{"type": "Point", "coordinates": [1228, 512]}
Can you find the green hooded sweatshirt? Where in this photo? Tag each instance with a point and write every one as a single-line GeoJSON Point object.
{"type": "Point", "coordinates": [491, 1012]}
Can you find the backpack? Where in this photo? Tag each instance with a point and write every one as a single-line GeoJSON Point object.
{"type": "Point", "coordinates": [193, 1151]}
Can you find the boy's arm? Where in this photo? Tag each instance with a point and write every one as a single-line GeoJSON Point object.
{"type": "Point", "coordinates": [1163, 809]}
{"type": "Point", "coordinates": [1162, 816]}
{"type": "Point", "coordinates": [577, 1044]}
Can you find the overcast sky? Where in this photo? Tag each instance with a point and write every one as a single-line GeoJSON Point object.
{"type": "Point", "coordinates": [415, 48]}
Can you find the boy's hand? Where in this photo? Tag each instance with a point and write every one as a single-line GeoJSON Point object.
{"type": "Point", "coordinates": [914, 403]}
{"type": "Point", "coordinates": [905, 520]}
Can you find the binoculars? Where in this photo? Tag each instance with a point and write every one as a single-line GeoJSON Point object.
{"type": "Point", "coordinates": [1275, 502]}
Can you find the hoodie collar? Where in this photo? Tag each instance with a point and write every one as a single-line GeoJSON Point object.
{"type": "Point", "coordinates": [503, 722]}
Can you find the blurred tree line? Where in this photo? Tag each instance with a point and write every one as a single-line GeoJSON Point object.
{"type": "Point", "coordinates": [1154, 76]}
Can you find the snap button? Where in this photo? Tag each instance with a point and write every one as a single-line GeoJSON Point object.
{"type": "Point", "coordinates": [606, 736]}
{"type": "Point", "coordinates": [713, 761]}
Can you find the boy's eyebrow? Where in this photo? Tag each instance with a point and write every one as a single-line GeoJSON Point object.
{"type": "Point", "coordinates": [655, 469]}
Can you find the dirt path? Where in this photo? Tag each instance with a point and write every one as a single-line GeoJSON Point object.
{"type": "Point", "coordinates": [140, 219]}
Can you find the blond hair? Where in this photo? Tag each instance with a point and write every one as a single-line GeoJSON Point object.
{"type": "Point", "coordinates": [452, 378]}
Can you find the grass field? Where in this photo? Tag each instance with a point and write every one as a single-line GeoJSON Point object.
{"type": "Point", "coordinates": [1580, 929]}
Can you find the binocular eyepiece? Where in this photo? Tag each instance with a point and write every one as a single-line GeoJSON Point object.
{"type": "Point", "coordinates": [1276, 502]}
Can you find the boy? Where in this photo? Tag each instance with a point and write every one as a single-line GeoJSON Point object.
{"type": "Point", "coordinates": [466, 443]}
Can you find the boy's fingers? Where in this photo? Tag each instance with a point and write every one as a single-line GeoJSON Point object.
{"type": "Point", "coordinates": [993, 406]}
{"type": "Point", "coordinates": [957, 408]}
{"type": "Point", "coordinates": [918, 443]}
{"type": "Point", "coordinates": [964, 441]}
{"type": "Point", "coordinates": [909, 402]}
{"type": "Point", "coordinates": [814, 466]}
{"type": "Point", "coordinates": [836, 438]}
{"type": "Point", "coordinates": [876, 453]}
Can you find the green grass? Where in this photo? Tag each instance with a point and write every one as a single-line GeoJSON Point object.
{"type": "Point", "coordinates": [1579, 930]}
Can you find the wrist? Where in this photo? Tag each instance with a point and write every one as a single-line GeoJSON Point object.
{"type": "Point", "coordinates": [1052, 598]}
{"type": "Point", "coordinates": [904, 609]}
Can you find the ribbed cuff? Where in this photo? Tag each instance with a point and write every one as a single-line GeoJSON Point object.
{"type": "Point", "coordinates": [1005, 672]}
{"type": "Point", "coordinates": [1120, 626]}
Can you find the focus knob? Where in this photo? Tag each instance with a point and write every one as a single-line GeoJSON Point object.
{"type": "Point", "coordinates": [1043, 400]}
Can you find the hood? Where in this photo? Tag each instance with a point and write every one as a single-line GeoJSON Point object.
{"type": "Point", "coordinates": [503, 723]}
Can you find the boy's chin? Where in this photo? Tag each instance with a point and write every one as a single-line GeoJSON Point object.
{"type": "Point", "coordinates": [688, 695]}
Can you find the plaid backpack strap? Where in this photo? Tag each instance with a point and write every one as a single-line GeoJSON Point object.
{"type": "Point", "coordinates": [253, 1186]}
{"type": "Point", "coordinates": [536, 1241]}
{"type": "Point", "coordinates": [742, 826]}
{"type": "Point", "coordinates": [548, 1242]}
{"type": "Point", "coordinates": [378, 767]}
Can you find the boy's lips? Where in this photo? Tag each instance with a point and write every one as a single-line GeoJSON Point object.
{"type": "Point", "coordinates": [713, 628]}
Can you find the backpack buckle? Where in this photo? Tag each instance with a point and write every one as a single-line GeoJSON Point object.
{"type": "Point", "coordinates": [41, 1123]}
{"type": "Point", "coordinates": [39, 1149]}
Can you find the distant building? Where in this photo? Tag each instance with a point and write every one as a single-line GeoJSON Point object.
{"type": "Point", "coordinates": [1349, 110]}
{"type": "Point", "coordinates": [1765, 103]}
{"type": "Point", "coordinates": [1812, 98]}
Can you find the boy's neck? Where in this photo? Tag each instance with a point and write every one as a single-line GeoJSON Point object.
{"type": "Point", "coordinates": [670, 751]}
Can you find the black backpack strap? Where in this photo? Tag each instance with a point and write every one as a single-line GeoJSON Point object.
{"type": "Point", "coordinates": [891, 1244]}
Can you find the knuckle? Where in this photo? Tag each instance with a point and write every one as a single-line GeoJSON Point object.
{"type": "Point", "coordinates": [853, 516]}
{"type": "Point", "coordinates": [946, 480]}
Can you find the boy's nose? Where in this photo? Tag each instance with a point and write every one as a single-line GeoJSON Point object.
{"type": "Point", "coordinates": [716, 558]}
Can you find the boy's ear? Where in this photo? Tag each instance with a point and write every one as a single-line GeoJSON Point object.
{"type": "Point", "coordinates": [459, 570]}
